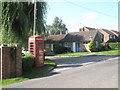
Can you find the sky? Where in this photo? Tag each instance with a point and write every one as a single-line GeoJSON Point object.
{"type": "Point", "coordinates": [84, 13]}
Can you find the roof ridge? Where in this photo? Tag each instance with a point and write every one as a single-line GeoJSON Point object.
{"type": "Point", "coordinates": [107, 31]}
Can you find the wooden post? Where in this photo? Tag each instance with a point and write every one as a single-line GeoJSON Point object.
{"type": "Point", "coordinates": [34, 28]}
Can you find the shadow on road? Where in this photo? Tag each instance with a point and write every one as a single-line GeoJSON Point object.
{"type": "Point", "coordinates": [51, 74]}
{"type": "Point", "coordinates": [81, 59]}
{"type": "Point", "coordinates": [68, 66]}
{"type": "Point", "coordinates": [72, 62]}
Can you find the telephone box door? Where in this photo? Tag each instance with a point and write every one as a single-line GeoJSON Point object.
{"type": "Point", "coordinates": [40, 54]}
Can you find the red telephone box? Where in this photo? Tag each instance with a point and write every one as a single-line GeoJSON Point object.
{"type": "Point", "coordinates": [36, 47]}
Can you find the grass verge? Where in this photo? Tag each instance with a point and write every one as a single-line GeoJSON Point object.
{"type": "Point", "coordinates": [110, 52]}
{"type": "Point", "coordinates": [73, 54]}
{"type": "Point", "coordinates": [49, 54]}
{"type": "Point", "coordinates": [35, 72]}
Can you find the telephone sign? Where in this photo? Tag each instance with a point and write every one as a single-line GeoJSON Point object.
{"type": "Point", "coordinates": [36, 47]}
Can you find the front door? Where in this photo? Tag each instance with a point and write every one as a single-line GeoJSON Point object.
{"type": "Point", "coordinates": [77, 46]}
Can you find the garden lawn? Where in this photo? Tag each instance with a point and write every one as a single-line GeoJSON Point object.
{"type": "Point", "coordinates": [35, 72]}
{"type": "Point", "coordinates": [73, 54]}
{"type": "Point", "coordinates": [110, 52]}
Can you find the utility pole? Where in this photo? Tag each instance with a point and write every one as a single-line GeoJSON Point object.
{"type": "Point", "coordinates": [34, 27]}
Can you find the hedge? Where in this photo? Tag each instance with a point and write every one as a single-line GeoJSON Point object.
{"type": "Point", "coordinates": [61, 49]}
{"type": "Point", "coordinates": [105, 47]}
{"type": "Point", "coordinates": [27, 62]}
{"type": "Point", "coordinates": [114, 45]}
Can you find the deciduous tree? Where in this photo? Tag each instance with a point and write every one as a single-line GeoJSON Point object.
{"type": "Point", "coordinates": [57, 27]}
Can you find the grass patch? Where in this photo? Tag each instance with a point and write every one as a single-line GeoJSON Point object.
{"type": "Point", "coordinates": [35, 72]}
{"type": "Point", "coordinates": [12, 80]}
{"type": "Point", "coordinates": [49, 54]}
{"type": "Point", "coordinates": [66, 54]}
{"type": "Point", "coordinates": [73, 54]}
{"type": "Point", "coordinates": [110, 52]}
{"type": "Point", "coordinates": [49, 62]}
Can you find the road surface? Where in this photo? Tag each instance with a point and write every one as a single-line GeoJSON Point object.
{"type": "Point", "coordinates": [85, 72]}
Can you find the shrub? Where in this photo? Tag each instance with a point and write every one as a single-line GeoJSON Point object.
{"type": "Point", "coordinates": [114, 45]}
{"type": "Point", "coordinates": [91, 46]}
{"type": "Point", "coordinates": [105, 47]}
{"type": "Point", "coordinates": [27, 62]}
{"type": "Point", "coordinates": [61, 49]}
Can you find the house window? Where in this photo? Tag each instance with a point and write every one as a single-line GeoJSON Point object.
{"type": "Point", "coordinates": [96, 44]}
{"type": "Point", "coordinates": [85, 42]}
{"type": "Point", "coordinates": [46, 45]}
{"type": "Point", "coordinates": [67, 44]}
{"type": "Point", "coordinates": [112, 36]}
{"type": "Point", "coordinates": [101, 36]}
{"type": "Point", "coordinates": [52, 47]}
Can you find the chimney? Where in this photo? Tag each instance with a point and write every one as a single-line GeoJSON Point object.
{"type": "Point", "coordinates": [81, 29]}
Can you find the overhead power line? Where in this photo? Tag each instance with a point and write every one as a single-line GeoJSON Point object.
{"type": "Point", "coordinates": [78, 5]}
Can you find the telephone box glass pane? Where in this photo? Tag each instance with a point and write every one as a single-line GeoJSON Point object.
{"type": "Point", "coordinates": [40, 53]}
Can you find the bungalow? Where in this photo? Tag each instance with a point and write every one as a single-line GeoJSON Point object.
{"type": "Point", "coordinates": [76, 41]}
{"type": "Point", "coordinates": [109, 35]}
{"type": "Point", "coordinates": [117, 34]}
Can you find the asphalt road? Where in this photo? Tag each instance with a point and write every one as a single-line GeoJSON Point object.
{"type": "Point", "coordinates": [77, 72]}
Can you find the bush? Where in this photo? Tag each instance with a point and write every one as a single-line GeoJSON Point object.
{"type": "Point", "coordinates": [61, 49]}
{"type": "Point", "coordinates": [27, 62]}
{"type": "Point", "coordinates": [105, 47]}
{"type": "Point", "coordinates": [91, 46]}
{"type": "Point", "coordinates": [114, 45]}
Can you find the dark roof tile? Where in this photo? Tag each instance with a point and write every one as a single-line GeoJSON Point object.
{"type": "Point", "coordinates": [107, 31]}
{"type": "Point", "coordinates": [86, 36]}
{"type": "Point", "coordinates": [73, 37]}
{"type": "Point", "coordinates": [54, 38]}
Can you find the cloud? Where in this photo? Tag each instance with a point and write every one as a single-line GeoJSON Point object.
{"type": "Point", "coordinates": [90, 15]}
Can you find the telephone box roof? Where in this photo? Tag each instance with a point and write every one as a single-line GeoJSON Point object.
{"type": "Point", "coordinates": [35, 36]}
